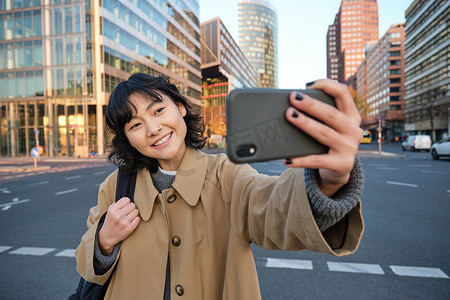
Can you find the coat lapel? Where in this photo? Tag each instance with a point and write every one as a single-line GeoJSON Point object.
{"type": "Point", "coordinates": [191, 176]}
{"type": "Point", "coordinates": [145, 194]}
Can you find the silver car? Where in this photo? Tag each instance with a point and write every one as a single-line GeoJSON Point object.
{"type": "Point", "coordinates": [441, 148]}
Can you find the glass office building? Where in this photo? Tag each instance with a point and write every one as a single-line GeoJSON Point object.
{"type": "Point", "coordinates": [60, 60]}
{"type": "Point", "coordinates": [428, 68]}
{"type": "Point", "coordinates": [258, 38]}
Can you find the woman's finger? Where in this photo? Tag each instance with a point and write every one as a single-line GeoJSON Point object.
{"type": "Point", "coordinates": [340, 92]}
{"type": "Point", "coordinates": [322, 111]}
{"type": "Point", "coordinates": [133, 215]}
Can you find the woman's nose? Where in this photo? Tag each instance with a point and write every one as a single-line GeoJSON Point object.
{"type": "Point", "coordinates": [154, 130]}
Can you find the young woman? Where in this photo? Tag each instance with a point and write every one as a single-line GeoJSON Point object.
{"type": "Point", "coordinates": [194, 216]}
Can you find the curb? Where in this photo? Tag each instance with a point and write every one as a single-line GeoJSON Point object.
{"type": "Point", "coordinates": [379, 154]}
{"type": "Point", "coordinates": [26, 168]}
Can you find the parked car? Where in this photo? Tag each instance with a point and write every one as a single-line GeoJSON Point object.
{"type": "Point", "coordinates": [417, 143]}
{"type": "Point", "coordinates": [441, 148]}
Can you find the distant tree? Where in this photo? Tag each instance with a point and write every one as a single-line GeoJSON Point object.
{"type": "Point", "coordinates": [361, 104]}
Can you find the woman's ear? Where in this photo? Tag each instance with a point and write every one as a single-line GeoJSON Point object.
{"type": "Point", "coordinates": [182, 109]}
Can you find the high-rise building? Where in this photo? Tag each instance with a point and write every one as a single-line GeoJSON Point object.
{"type": "Point", "coordinates": [258, 38]}
{"type": "Point", "coordinates": [334, 48]}
{"type": "Point", "coordinates": [380, 81]}
{"type": "Point", "coordinates": [354, 25]}
{"type": "Point", "coordinates": [60, 60]}
{"type": "Point", "coordinates": [427, 67]}
{"type": "Point", "coordinates": [224, 67]}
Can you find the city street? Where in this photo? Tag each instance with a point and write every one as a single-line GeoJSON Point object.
{"type": "Point", "coordinates": [404, 253]}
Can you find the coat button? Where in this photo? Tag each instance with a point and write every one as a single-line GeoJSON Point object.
{"type": "Point", "coordinates": [172, 198]}
{"type": "Point", "coordinates": [176, 241]}
{"type": "Point", "coordinates": [180, 290]}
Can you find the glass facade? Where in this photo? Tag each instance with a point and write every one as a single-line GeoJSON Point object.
{"type": "Point", "coordinates": [224, 67]}
{"type": "Point", "coordinates": [428, 67]}
{"type": "Point", "coordinates": [60, 60]}
{"type": "Point", "coordinates": [258, 38]}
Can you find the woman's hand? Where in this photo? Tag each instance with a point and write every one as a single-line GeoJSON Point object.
{"type": "Point", "coordinates": [341, 133]}
{"type": "Point", "coordinates": [121, 220]}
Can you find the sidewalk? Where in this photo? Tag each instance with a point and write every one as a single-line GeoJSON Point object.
{"type": "Point", "coordinates": [26, 164]}
{"type": "Point", "coordinates": [364, 153]}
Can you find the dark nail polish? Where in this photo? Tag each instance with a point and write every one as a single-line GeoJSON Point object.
{"type": "Point", "coordinates": [288, 161]}
{"type": "Point", "coordinates": [295, 114]}
{"type": "Point", "coordinates": [298, 96]}
{"type": "Point", "coordinates": [310, 83]}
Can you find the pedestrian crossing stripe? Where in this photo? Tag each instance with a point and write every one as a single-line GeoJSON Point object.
{"type": "Point", "coordinates": [270, 262]}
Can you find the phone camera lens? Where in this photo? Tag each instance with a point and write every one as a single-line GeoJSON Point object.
{"type": "Point", "coordinates": [246, 150]}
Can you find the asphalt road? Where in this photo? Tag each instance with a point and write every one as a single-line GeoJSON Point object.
{"type": "Point", "coordinates": [404, 253]}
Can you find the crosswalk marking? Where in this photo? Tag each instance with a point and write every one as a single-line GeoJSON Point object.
{"type": "Point", "coordinates": [39, 251]}
{"type": "Point", "coordinates": [418, 272]}
{"type": "Point", "coordinates": [282, 263]}
{"type": "Point", "coordinates": [4, 248]}
{"type": "Point", "coordinates": [289, 264]}
{"type": "Point", "coordinates": [355, 268]}
{"type": "Point", "coordinates": [66, 253]}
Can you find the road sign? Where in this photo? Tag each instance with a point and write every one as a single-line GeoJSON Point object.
{"type": "Point", "coordinates": [35, 152]}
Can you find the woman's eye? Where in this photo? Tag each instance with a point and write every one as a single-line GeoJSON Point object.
{"type": "Point", "coordinates": [135, 126]}
{"type": "Point", "coordinates": [159, 110]}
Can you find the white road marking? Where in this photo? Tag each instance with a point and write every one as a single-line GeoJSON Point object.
{"type": "Point", "coordinates": [277, 263]}
{"type": "Point", "coordinates": [4, 248]}
{"type": "Point", "coordinates": [5, 191]}
{"type": "Point", "coordinates": [355, 268]}
{"type": "Point", "coordinates": [73, 177]}
{"type": "Point", "coordinates": [99, 173]}
{"type": "Point", "coordinates": [289, 264]}
{"type": "Point", "coordinates": [434, 172]}
{"type": "Point", "coordinates": [377, 165]}
{"type": "Point", "coordinates": [387, 168]}
{"type": "Point", "coordinates": [39, 183]}
{"type": "Point", "coordinates": [418, 272]}
{"type": "Point", "coordinates": [66, 253]}
{"type": "Point", "coordinates": [65, 192]}
{"type": "Point", "coordinates": [401, 183]}
{"type": "Point", "coordinates": [39, 251]}
{"type": "Point", "coordinates": [419, 166]}
{"type": "Point", "coordinates": [448, 191]}
{"type": "Point", "coordinates": [6, 206]}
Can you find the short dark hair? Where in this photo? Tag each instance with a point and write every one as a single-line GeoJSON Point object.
{"type": "Point", "coordinates": [120, 111]}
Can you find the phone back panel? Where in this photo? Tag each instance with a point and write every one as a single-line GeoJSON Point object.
{"type": "Point", "coordinates": [257, 129]}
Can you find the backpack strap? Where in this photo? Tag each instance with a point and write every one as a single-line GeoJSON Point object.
{"type": "Point", "coordinates": [125, 186]}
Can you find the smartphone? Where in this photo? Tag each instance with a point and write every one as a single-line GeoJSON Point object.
{"type": "Point", "coordinates": [257, 129]}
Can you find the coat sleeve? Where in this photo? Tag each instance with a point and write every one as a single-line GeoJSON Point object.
{"type": "Point", "coordinates": [85, 251]}
{"type": "Point", "coordinates": [275, 213]}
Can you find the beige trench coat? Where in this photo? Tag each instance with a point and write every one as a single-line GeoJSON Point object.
{"type": "Point", "coordinates": [206, 223]}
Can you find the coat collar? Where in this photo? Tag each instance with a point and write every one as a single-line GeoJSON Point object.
{"type": "Point", "coordinates": [188, 183]}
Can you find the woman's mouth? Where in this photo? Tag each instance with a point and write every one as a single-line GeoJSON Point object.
{"type": "Point", "coordinates": [162, 140]}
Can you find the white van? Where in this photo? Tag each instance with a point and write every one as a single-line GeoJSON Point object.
{"type": "Point", "coordinates": [417, 143]}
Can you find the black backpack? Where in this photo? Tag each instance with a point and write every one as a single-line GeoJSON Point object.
{"type": "Point", "coordinates": [91, 291]}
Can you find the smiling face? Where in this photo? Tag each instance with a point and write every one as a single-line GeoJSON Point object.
{"type": "Point", "coordinates": [157, 130]}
